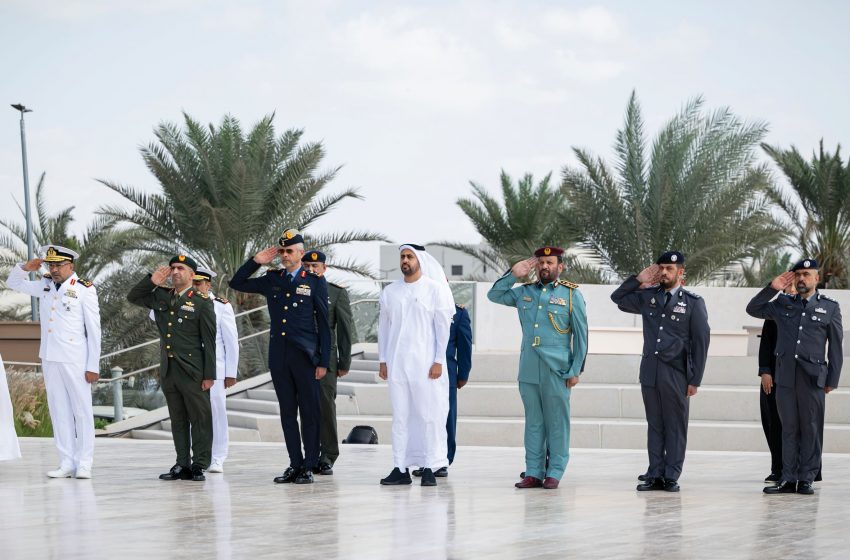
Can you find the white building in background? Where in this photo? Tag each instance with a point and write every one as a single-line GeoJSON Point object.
{"type": "Point", "coordinates": [456, 264]}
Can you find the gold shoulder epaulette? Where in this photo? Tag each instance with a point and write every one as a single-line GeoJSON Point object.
{"type": "Point", "coordinates": [203, 295]}
{"type": "Point", "coordinates": [568, 284]}
{"type": "Point", "coordinates": [221, 300]}
{"type": "Point", "coordinates": [86, 283]}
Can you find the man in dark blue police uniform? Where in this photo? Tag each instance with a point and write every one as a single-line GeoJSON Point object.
{"type": "Point", "coordinates": [459, 363]}
{"type": "Point", "coordinates": [675, 347]}
{"type": "Point", "coordinates": [809, 356]}
{"type": "Point", "coordinates": [299, 345]}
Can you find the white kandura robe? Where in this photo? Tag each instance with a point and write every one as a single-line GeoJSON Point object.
{"type": "Point", "coordinates": [413, 332]}
{"type": "Point", "coordinates": [9, 448]}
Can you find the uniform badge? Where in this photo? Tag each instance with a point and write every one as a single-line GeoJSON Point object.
{"type": "Point", "coordinates": [187, 308]}
{"type": "Point", "coordinates": [303, 290]}
{"type": "Point", "coordinates": [524, 298]}
{"type": "Point", "coordinates": [820, 310]}
{"type": "Point", "coordinates": [679, 309]}
{"type": "Point", "coordinates": [71, 293]}
{"type": "Point", "coordinates": [557, 301]}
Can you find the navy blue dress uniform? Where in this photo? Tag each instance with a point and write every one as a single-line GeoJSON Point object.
{"type": "Point", "coordinates": [675, 348]}
{"type": "Point", "coordinates": [459, 364]}
{"type": "Point", "coordinates": [809, 357]}
{"type": "Point", "coordinates": [770, 421]}
{"type": "Point", "coordinates": [187, 329]}
{"type": "Point", "coordinates": [299, 341]}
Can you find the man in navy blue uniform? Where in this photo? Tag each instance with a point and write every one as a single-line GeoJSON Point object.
{"type": "Point", "coordinates": [299, 345]}
{"type": "Point", "coordinates": [808, 364]}
{"type": "Point", "coordinates": [675, 347]}
{"type": "Point", "coordinates": [459, 362]}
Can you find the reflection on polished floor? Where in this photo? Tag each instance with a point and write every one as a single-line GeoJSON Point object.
{"type": "Point", "coordinates": [126, 513]}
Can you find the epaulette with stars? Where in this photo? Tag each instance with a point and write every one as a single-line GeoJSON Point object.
{"type": "Point", "coordinates": [690, 293]}
{"type": "Point", "coordinates": [826, 297]}
{"type": "Point", "coordinates": [203, 295]}
{"type": "Point", "coordinates": [221, 300]}
{"type": "Point", "coordinates": [86, 283]}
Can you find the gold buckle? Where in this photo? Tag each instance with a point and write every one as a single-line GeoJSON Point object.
{"type": "Point", "coordinates": [536, 341]}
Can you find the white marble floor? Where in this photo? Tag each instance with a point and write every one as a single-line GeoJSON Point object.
{"type": "Point", "coordinates": [126, 513]}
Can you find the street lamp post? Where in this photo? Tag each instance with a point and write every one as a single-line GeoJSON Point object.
{"type": "Point", "coordinates": [23, 110]}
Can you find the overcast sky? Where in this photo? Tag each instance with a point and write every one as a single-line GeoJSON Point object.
{"type": "Point", "coordinates": [413, 99]}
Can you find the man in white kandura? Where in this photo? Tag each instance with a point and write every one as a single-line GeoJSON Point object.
{"type": "Point", "coordinates": [9, 448]}
{"type": "Point", "coordinates": [413, 331]}
{"type": "Point", "coordinates": [69, 352]}
{"type": "Point", "coordinates": [226, 366]}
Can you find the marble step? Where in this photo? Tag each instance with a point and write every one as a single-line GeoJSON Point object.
{"type": "Point", "coordinates": [500, 400]}
{"type": "Point", "coordinates": [605, 433]}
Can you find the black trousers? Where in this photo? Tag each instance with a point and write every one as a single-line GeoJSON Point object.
{"type": "Point", "coordinates": [772, 426]}
{"type": "Point", "coordinates": [297, 392]}
{"type": "Point", "coordinates": [801, 410]}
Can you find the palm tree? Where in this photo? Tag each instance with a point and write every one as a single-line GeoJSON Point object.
{"type": "Point", "coordinates": [227, 194]}
{"type": "Point", "coordinates": [99, 247]}
{"type": "Point", "coordinates": [698, 190]}
{"type": "Point", "coordinates": [817, 207]}
{"type": "Point", "coordinates": [761, 269]}
{"type": "Point", "coordinates": [527, 218]}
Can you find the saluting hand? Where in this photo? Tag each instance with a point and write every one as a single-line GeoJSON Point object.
{"type": "Point", "coordinates": [522, 268]}
{"type": "Point", "coordinates": [649, 275]}
{"type": "Point", "coordinates": [782, 281]}
{"type": "Point", "coordinates": [32, 265]}
{"type": "Point", "coordinates": [160, 275]}
{"type": "Point", "coordinates": [266, 255]}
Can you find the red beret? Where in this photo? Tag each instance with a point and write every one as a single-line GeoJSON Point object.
{"type": "Point", "coordinates": [549, 252]}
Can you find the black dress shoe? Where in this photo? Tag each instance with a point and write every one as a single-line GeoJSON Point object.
{"type": "Point", "coordinates": [783, 487]}
{"type": "Point", "coordinates": [522, 474]}
{"type": "Point", "coordinates": [773, 477]}
{"type": "Point", "coordinates": [442, 472]}
{"type": "Point", "coordinates": [304, 477]}
{"type": "Point", "coordinates": [651, 484]}
{"type": "Point", "coordinates": [289, 475]}
{"type": "Point", "coordinates": [177, 473]}
{"type": "Point", "coordinates": [428, 478]}
{"type": "Point", "coordinates": [417, 472]}
{"type": "Point", "coordinates": [643, 477]}
{"type": "Point", "coordinates": [397, 477]}
{"type": "Point", "coordinates": [671, 486]}
{"type": "Point", "coordinates": [198, 473]}
{"type": "Point", "coordinates": [804, 487]}
{"type": "Point", "coordinates": [324, 469]}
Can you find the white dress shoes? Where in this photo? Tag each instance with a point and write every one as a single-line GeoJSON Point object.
{"type": "Point", "coordinates": [83, 472]}
{"type": "Point", "coordinates": [61, 472]}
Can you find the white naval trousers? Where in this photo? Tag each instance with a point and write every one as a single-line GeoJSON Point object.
{"type": "Point", "coordinates": [69, 401]}
{"type": "Point", "coordinates": [218, 402]}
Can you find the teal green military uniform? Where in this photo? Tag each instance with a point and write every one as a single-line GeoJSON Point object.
{"type": "Point", "coordinates": [187, 331]}
{"type": "Point", "coordinates": [342, 329]}
{"type": "Point", "coordinates": [554, 344]}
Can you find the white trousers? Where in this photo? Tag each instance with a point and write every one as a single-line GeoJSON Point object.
{"type": "Point", "coordinates": [9, 448]}
{"type": "Point", "coordinates": [69, 401]}
{"type": "Point", "coordinates": [218, 402]}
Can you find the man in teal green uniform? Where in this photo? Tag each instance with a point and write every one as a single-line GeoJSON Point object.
{"type": "Point", "coordinates": [554, 344]}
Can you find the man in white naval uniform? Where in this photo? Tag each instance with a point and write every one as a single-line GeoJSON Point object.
{"type": "Point", "coordinates": [413, 332]}
{"type": "Point", "coordinates": [69, 352]}
{"type": "Point", "coordinates": [226, 365]}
